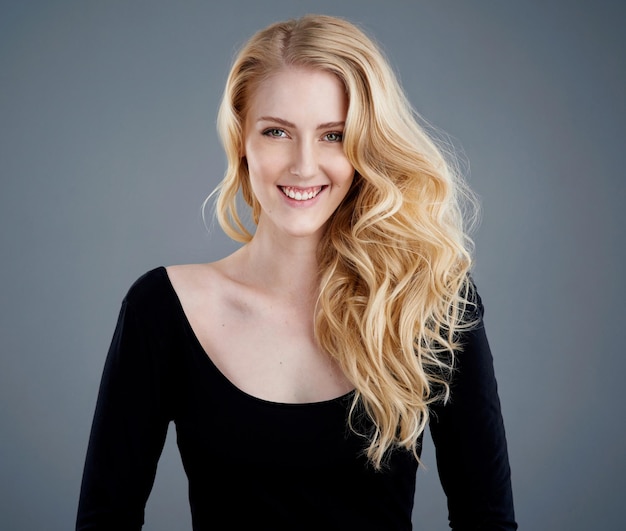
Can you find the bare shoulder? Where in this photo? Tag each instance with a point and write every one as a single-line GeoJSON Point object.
{"type": "Point", "coordinates": [190, 274]}
{"type": "Point", "coordinates": [195, 281]}
{"type": "Point", "coordinates": [200, 286]}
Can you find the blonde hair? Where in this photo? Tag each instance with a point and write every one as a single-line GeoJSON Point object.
{"type": "Point", "coordinates": [394, 260]}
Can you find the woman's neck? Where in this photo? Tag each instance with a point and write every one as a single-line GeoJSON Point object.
{"type": "Point", "coordinates": [284, 267]}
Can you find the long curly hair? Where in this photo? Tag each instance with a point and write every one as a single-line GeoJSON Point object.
{"type": "Point", "coordinates": [395, 257]}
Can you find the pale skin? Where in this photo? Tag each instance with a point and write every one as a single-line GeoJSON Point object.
{"type": "Point", "coordinates": [253, 310]}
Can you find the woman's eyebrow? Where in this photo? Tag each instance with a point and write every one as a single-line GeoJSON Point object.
{"type": "Point", "coordinates": [275, 119]}
{"type": "Point", "coordinates": [287, 123]}
{"type": "Point", "coordinates": [330, 125]}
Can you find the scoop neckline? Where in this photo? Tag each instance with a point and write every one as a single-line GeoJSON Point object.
{"type": "Point", "coordinates": [225, 379]}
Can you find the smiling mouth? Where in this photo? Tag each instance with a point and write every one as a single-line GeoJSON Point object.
{"type": "Point", "coordinates": [301, 194]}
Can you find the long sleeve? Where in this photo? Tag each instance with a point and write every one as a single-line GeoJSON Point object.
{"type": "Point", "coordinates": [469, 437]}
{"type": "Point", "coordinates": [129, 428]}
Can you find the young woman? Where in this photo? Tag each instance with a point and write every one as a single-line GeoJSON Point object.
{"type": "Point", "coordinates": [302, 370]}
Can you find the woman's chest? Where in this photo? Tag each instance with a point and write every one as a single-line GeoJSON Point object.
{"type": "Point", "coordinates": [269, 353]}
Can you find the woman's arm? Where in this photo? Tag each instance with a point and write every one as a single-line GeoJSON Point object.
{"type": "Point", "coordinates": [468, 433]}
{"type": "Point", "coordinates": [129, 429]}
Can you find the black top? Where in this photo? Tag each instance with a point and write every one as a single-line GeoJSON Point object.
{"type": "Point", "coordinates": [254, 464]}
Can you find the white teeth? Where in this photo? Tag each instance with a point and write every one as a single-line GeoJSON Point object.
{"type": "Point", "coordinates": [300, 195]}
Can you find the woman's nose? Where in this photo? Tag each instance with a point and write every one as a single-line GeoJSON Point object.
{"type": "Point", "coordinates": [305, 163]}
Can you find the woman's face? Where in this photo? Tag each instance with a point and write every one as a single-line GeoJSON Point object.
{"type": "Point", "coordinates": [293, 145]}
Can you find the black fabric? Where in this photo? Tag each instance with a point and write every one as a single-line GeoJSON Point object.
{"type": "Point", "coordinates": [254, 464]}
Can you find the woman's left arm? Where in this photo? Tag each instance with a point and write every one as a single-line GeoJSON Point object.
{"type": "Point", "coordinates": [469, 437]}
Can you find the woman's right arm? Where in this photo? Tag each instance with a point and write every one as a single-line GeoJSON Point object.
{"type": "Point", "coordinates": [129, 427]}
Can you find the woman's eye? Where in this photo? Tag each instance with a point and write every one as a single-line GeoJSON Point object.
{"type": "Point", "coordinates": [333, 137]}
{"type": "Point", "coordinates": [277, 133]}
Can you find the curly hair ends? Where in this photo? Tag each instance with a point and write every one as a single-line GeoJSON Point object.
{"type": "Point", "coordinates": [395, 258]}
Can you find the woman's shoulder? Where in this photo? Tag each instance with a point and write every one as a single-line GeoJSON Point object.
{"type": "Point", "coordinates": [160, 283]}
{"type": "Point", "coordinates": [159, 295]}
{"type": "Point", "coordinates": [203, 289]}
{"type": "Point", "coordinates": [210, 279]}
{"type": "Point", "coordinates": [191, 272]}
{"type": "Point", "coordinates": [162, 277]}
{"type": "Point", "coordinates": [190, 279]}
{"type": "Point", "coordinates": [148, 286]}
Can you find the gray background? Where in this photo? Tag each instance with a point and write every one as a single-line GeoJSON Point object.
{"type": "Point", "coordinates": [108, 147]}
